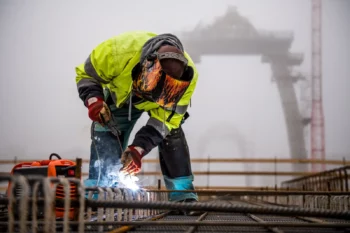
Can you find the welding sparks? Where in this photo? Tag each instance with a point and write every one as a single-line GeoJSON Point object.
{"type": "Point", "coordinates": [116, 178]}
{"type": "Point", "coordinates": [129, 181]}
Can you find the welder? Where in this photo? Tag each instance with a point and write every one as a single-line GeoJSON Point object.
{"type": "Point", "coordinates": [125, 76]}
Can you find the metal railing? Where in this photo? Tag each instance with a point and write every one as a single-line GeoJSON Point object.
{"type": "Point", "coordinates": [220, 160]}
{"type": "Point", "coordinates": [208, 161]}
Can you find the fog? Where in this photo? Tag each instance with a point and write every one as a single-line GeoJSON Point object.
{"type": "Point", "coordinates": [236, 109]}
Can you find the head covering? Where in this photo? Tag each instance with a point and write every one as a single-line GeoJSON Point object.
{"type": "Point", "coordinates": [153, 44]}
{"type": "Point", "coordinates": [162, 78]}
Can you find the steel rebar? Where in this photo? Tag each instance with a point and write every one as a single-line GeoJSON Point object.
{"type": "Point", "coordinates": [208, 223]}
{"type": "Point", "coordinates": [222, 208]}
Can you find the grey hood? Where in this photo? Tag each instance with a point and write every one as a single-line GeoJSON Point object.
{"type": "Point", "coordinates": [156, 42]}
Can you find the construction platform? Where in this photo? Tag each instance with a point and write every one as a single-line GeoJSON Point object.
{"type": "Point", "coordinates": [316, 203]}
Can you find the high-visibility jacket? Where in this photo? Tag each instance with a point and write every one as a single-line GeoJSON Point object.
{"type": "Point", "coordinates": [110, 65]}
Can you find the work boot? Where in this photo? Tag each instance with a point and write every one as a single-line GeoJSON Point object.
{"type": "Point", "coordinates": [192, 212]}
{"type": "Point", "coordinates": [187, 212]}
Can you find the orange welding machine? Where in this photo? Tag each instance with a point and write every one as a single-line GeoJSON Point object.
{"type": "Point", "coordinates": [48, 168]}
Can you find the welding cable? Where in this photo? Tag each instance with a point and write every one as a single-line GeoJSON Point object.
{"type": "Point", "coordinates": [92, 130]}
{"type": "Point", "coordinates": [235, 208]}
{"type": "Point", "coordinates": [98, 155]}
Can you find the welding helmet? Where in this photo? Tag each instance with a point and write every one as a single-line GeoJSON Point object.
{"type": "Point", "coordinates": [163, 77]}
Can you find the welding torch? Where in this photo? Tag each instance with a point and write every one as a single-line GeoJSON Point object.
{"type": "Point", "coordinates": [107, 120]}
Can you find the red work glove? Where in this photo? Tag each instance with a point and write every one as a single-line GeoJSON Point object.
{"type": "Point", "coordinates": [98, 110]}
{"type": "Point", "coordinates": [131, 160]}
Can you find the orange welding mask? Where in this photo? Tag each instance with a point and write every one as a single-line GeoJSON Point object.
{"type": "Point", "coordinates": [154, 84]}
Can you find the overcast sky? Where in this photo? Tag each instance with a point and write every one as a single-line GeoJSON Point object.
{"type": "Point", "coordinates": [41, 42]}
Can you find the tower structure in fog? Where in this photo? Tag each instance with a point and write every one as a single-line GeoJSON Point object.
{"type": "Point", "coordinates": [233, 34]}
{"type": "Point", "coordinates": [317, 116]}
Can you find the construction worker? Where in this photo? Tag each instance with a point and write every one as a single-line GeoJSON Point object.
{"type": "Point", "coordinates": [125, 76]}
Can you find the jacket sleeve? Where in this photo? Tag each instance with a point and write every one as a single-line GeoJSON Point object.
{"type": "Point", "coordinates": [101, 66]}
{"type": "Point", "coordinates": [162, 121]}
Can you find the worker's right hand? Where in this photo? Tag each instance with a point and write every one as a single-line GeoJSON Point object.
{"type": "Point", "coordinates": [131, 160]}
{"type": "Point", "coordinates": [98, 110]}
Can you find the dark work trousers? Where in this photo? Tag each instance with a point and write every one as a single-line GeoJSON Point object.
{"type": "Point", "coordinates": [105, 154]}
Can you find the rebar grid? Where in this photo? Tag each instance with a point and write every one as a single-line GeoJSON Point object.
{"type": "Point", "coordinates": [117, 207]}
{"type": "Point", "coordinates": [335, 180]}
{"type": "Point", "coordinates": [24, 193]}
{"type": "Point", "coordinates": [331, 180]}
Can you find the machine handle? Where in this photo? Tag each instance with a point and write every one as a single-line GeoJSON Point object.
{"type": "Point", "coordinates": [56, 155]}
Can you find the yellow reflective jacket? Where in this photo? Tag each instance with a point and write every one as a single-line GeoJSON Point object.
{"type": "Point", "coordinates": [110, 64]}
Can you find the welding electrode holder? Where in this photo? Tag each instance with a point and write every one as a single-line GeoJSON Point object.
{"type": "Point", "coordinates": [113, 127]}
{"type": "Point", "coordinates": [110, 123]}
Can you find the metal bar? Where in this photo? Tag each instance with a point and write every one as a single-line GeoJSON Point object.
{"type": "Point", "coordinates": [220, 188]}
{"type": "Point", "coordinates": [234, 173]}
{"type": "Point", "coordinates": [259, 220]}
{"type": "Point", "coordinates": [78, 167]}
{"type": "Point", "coordinates": [313, 181]}
{"type": "Point", "coordinates": [273, 229]}
{"type": "Point", "coordinates": [209, 207]}
{"type": "Point", "coordinates": [206, 223]}
{"type": "Point", "coordinates": [325, 173]}
{"type": "Point", "coordinates": [194, 228]}
{"type": "Point", "coordinates": [313, 220]}
{"type": "Point", "coordinates": [346, 179]}
{"type": "Point", "coordinates": [232, 188]}
{"type": "Point", "coordinates": [255, 193]}
{"type": "Point", "coordinates": [223, 160]}
{"type": "Point", "coordinates": [128, 228]}
{"type": "Point", "coordinates": [261, 160]}
{"type": "Point", "coordinates": [308, 219]}
{"type": "Point", "coordinates": [4, 200]}
{"type": "Point", "coordinates": [221, 208]}
{"type": "Point", "coordinates": [223, 173]}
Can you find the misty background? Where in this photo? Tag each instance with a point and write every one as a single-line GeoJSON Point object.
{"type": "Point", "coordinates": [236, 109]}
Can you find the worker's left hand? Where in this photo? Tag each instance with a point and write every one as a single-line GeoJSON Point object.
{"type": "Point", "coordinates": [131, 160]}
